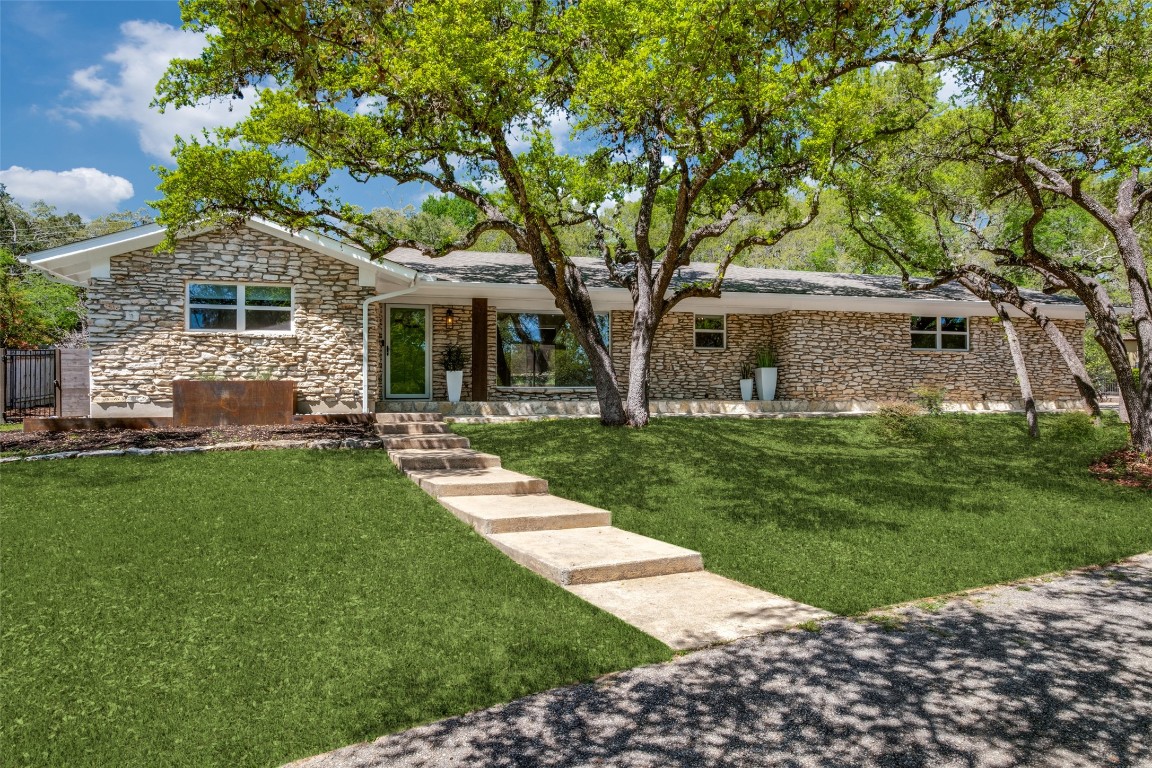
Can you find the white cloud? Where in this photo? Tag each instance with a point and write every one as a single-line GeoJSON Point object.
{"type": "Point", "coordinates": [122, 88]}
{"type": "Point", "coordinates": [86, 191]}
{"type": "Point", "coordinates": [951, 89]}
{"type": "Point", "coordinates": [556, 124]}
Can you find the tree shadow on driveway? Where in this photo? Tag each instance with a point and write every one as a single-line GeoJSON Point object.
{"type": "Point", "coordinates": [1048, 674]}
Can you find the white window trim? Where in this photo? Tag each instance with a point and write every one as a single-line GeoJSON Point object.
{"type": "Point", "coordinates": [940, 333]}
{"type": "Point", "coordinates": [496, 350]}
{"type": "Point", "coordinates": [241, 308]}
{"type": "Point", "coordinates": [723, 332]}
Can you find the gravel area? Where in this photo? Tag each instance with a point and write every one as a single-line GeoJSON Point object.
{"type": "Point", "coordinates": [1051, 672]}
{"type": "Point", "coordinates": [32, 443]}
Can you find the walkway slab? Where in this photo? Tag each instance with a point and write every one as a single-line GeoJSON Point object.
{"type": "Point", "coordinates": [694, 610]}
{"type": "Point", "coordinates": [400, 442]}
{"type": "Point", "coordinates": [530, 512]}
{"type": "Point", "coordinates": [476, 482]}
{"type": "Point", "coordinates": [593, 555]}
{"type": "Point", "coordinates": [416, 459]}
{"type": "Point", "coordinates": [411, 428]}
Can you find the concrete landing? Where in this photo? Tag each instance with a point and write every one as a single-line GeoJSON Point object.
{"type": "Point", "coordinates": [476, 482]}
{"type": "Point", "coordinates": [416, 459]}
{"type": "Point", "coordinates": [593, 555]}
{"type": "Point", "coordinates": [532, 512]}
{"type": "Point", "coordinates": [694, 610]}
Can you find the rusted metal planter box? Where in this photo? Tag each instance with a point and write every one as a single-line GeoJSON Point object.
{"type": "Point", "coordinates": [221, 403]}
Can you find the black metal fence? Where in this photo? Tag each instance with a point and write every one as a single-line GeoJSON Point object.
{"type": "Point", "coordinates": [31, 383]}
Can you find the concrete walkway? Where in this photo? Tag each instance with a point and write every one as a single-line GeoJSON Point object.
{"type": "Point", "coordinates": [1053, 673]}
{"type": "Point", "coordinates": [660, 588]}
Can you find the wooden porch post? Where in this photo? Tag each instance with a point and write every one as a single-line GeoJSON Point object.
{"type": "Point", "coordinates": [479, 349]}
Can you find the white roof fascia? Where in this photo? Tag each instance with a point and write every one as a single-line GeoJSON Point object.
{"type": "Point", "coordinates": [536, 297]}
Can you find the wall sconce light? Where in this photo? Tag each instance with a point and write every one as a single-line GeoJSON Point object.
{"type": "Point", "coordinates": [449, 318]}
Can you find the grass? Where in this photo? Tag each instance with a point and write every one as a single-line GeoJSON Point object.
{"type": "Point", "coordinates": [9, 426]}
{"type": "Point", "coordinates": [252, 608]}
{"type": "Point", "coordinates": [842, 513]}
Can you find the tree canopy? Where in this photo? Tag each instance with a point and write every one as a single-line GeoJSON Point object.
{"type": "Point", "coordinates": [707, 114]}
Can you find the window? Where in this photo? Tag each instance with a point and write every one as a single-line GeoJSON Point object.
{"type": "Point", "coordinates": [239, 307]}
{"type": "Point", "coordinates": [710, 331]}
{"type": "Point", "coordinates": [948, 334]}
{"type": "Point", "coordinates": [540, 350]}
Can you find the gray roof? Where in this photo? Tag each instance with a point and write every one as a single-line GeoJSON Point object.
{"type": "Point", "coordinates": [516, 268]}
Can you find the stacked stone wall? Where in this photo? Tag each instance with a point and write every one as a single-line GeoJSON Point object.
{"type": "Point", "coordinates": [140, 344]}
{"type": "Point", "coordinates": [827, 356]}
{"type": "Point", "coordinates": [866, 356]}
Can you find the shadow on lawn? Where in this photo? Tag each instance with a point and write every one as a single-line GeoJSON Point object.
{"type": "Point", "coordinates": [1051, 677]}
{"type": "Point", "coordinates": [827, 475]}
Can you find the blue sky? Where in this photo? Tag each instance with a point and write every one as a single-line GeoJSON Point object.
{"type": "Point", "coordinates": [76, 130]}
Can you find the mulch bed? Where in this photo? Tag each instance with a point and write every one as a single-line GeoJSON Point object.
{"type": "Point", "coordinates": [31, 443]}
{"type": "Point", "coordinates": [1125, 467]}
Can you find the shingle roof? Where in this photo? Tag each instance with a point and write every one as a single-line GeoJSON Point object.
{"type": "Point", "coordinates": [516, 268]}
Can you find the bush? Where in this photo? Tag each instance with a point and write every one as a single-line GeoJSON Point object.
{"type": "Point", "coordinates": [930, 398]}
{"type": "Point", "coordinates": [1078, 426]}
{"type": "Point", "coordinates": [898, 418]}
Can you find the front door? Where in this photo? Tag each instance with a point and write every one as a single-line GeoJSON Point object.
{"type": "Point", "coordinates": [406, 352]}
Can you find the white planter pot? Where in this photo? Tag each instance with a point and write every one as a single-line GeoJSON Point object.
{"type": "Point", "coordinates": [745, 389]}
{"type": "Point", "coordinates": [766, 383]}
{"type": "Point", "coordinates": [455, 382]}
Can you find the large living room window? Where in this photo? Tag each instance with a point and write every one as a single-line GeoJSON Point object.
{"type": "Point", "coordinates": [946, 334]}
{"type": "Point", "coordinates": [239, 307]}
{"type": "Point", "coordinates": [535, 349]}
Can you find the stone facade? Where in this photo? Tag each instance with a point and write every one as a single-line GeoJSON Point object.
{"type": "Point", "coordinates": [140, 343]}
{"type": "Point", "coordinates": [869, 356]}
{"type": "Point", "coordinates": [823, 356]}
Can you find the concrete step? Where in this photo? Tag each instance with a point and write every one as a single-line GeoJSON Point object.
{"type": "Point", "coordinates": [593, 555]}
{"type": "Point", "coordinates": [476, 482]}
{"type": "Point", "coordinates": [411, 428]}
{"type": "Point", "coordinates": [530, 512]}
{"type": "Point", "coordinates": [441, 442]}
{"type": "Point", "coordinates": [416, 459]}
{"type": "Point", "coordinates": [398, 418]}
{"type": "Point", "coordinates": [694, 610]}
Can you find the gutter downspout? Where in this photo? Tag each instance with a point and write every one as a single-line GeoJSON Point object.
{"type": "Point", "coordinates": [364, 408]}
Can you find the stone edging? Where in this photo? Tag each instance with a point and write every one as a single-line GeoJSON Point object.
{"type": "Point", "coordinates": [266, 445]}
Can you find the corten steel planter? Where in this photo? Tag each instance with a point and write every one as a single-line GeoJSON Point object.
{"type": "Point", "coordinates": [222, 403]}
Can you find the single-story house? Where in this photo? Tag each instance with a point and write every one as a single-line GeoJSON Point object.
{"type": "Point", "coordinates": [259, 301]}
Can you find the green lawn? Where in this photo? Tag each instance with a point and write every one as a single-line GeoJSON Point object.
{"type": "Point", "coordinates": [251, 608]}
{"type": "Point", "coordinates": [839, 513]}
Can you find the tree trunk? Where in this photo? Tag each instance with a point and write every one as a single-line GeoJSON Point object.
{"type": "Point", "coordinates": [639, 366]}
{"type": "Point", "coordinates": [1021, 370]}
{"type": "Point", "coordinates": [1079, 372]}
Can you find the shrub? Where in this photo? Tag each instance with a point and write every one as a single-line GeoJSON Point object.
{"type": "Point", "coordinates": [930, 398]}
{"type": "Point", "coordinates": [898, 418]}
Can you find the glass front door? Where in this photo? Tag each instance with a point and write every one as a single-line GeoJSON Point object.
{"type": "Point", "coordinates": [406, 349]}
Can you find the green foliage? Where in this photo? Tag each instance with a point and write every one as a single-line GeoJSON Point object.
{"type": "Point", "coordinates": [34, 311]}
{"type": "Point", "coordinates": [327, 602]}
{"type": "Point", "coordinates": [746, 370]}
{"type": "Point", "coordinates": [930, 398]}
{"type": "Point", "coordinates": [765, 357]}
{"type": "Point", "coordinates": [835, 514]}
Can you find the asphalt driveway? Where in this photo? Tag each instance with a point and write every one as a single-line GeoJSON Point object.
{"type": "Point", "coordinates": [1054, 672]}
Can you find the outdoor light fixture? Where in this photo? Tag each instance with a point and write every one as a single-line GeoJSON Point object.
{"type": "Point", "coordinates": [449, 318]}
